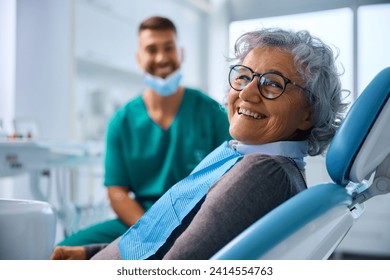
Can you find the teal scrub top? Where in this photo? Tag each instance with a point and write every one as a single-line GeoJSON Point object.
{"type": "Point", "coordinates": [149, 160]}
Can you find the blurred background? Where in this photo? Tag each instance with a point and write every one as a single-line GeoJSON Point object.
{"type": "Point", "coordinates": [67, 65]}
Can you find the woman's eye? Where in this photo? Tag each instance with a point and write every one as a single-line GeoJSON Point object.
{"type": "Point", "coordinates": [270, 83]}
{"type": "Point", "coordinates": [244, 77]}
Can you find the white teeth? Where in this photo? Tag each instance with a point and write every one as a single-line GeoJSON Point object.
{"type": "Point", "coordinates": [249, 113]}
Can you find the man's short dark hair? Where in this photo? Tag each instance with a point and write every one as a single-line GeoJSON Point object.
{"type": "Point", "coordinates": [157, 23]}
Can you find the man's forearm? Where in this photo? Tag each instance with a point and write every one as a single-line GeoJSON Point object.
{"type": "Point", "coordinates": [127, 209]}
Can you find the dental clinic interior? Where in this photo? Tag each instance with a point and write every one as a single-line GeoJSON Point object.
{"type": "Point", "coordinates": [66, 66]}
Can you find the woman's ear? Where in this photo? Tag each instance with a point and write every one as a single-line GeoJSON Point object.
{"type": "Point", "coordinates": [307, 120]}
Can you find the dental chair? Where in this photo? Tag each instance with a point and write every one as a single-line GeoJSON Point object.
{"type": "Point", "coordinates": [27, 229]}
{"type": "Point", "coordinates": [312, 224]}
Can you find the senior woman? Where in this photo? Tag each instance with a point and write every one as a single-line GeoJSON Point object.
{"type": "Point", "coordinates": [284, 103]}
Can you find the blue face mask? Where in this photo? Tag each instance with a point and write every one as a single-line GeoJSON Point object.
{"type": "Point", "coordinates": [164, 87]}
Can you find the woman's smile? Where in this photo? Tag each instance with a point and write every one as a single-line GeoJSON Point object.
{"type": "Point", "coordinates": [249, 113]}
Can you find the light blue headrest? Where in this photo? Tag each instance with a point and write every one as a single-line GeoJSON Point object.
{"type": "Point", "coordinates": [356, 126]}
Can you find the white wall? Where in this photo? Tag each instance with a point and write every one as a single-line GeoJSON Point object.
{"type": "Point", "coordinates": [218, 50]}
{"type": "Point", "coordinates": [44, 65]}
{"type": "Point", "coordinates": [7, 65]}
{"type": "Point", "coordinates": [7, 76]}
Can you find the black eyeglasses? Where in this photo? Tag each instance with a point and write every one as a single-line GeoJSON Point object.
{"type": "Point", "coordinates": [271, 85]}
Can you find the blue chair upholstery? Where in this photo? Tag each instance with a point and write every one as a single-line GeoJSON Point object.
{"type": "Point", "coordinates": [356, 127]}
{"type": "Point", "coordinates": [311, 224]}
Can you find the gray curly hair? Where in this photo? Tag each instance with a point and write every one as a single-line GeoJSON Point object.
{"type": "Point", "coordinates": [315, 63]}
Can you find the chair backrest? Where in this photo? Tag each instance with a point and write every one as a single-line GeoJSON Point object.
{"type": "Point", "coordinates": [311, 224]}
{"type": "Point", "coordinates": [362, 141]}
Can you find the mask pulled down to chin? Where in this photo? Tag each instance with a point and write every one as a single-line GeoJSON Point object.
{"type": "Point", "coordinates": [164, 87]}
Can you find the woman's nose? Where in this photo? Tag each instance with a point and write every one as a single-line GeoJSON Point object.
{"type": "Point", "coordinates": [251, 92]}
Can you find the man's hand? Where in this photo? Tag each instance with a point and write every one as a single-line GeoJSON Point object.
{"type": "Point", "coordinates": [69, 253]}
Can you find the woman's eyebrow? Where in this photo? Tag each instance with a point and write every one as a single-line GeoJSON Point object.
{"type": "Point", "coordinates": [275, 71]}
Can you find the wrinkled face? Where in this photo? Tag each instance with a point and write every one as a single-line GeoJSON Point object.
{"type": "Point", "coordinates": [158, 54]}
{"type": "Point", "coordinates": [256, 120]}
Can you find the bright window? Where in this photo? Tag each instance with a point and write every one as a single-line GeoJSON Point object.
{"type": "Point", "coordinates": [373, 42]}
